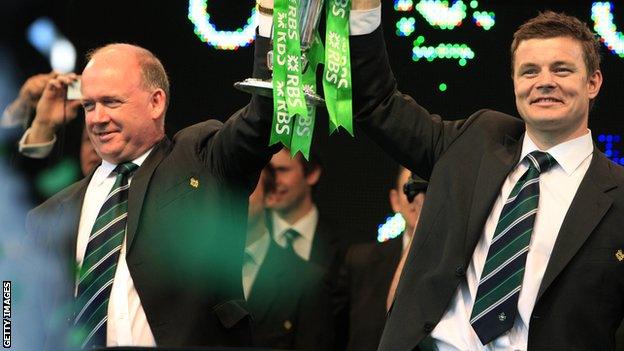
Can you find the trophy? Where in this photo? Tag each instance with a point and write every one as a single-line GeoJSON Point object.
{"type": "Point", "coordinates": [309, 18]}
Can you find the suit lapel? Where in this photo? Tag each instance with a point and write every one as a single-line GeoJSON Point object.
{"type": "Point", "coordinates": [69, 211]}
{"type": "Point", "coordinates": [493, 170]}
{"type": "Point", "coordinates": [587, 209]}
{"type": "Point", "coordinates": [320, 245]}
{"type": "Point", "coordinates": [138, 188]}
{"type": "Point", "coordinates": [267, 285]}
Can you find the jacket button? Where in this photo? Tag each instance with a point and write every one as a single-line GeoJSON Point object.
{"type": "Point", "coordinates": [428, 327]}
{"type": "Point", "coordinates": [459, 271]}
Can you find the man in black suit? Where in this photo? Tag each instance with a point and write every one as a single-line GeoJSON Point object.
{"type": "Point", "coordinates": [177, 269]}
{"type": "Point", "coordinates": [294, 218]}
{"type": "Point", "coordinates": [366, 274]}
{"type": "Point", "coordinates": [565, 278]}
{"type": "Point", "coordinates": [284, 293]}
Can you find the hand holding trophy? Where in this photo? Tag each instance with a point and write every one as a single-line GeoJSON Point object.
{"type": "Point", "coordinates": [297, 51]}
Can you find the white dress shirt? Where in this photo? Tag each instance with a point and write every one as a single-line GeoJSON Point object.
{"type": "Point", "coordinates": [557, 189]}
{"type": "Point", "coordinates": [306, 227]}
{"type": "Point", "coordinates": [254, 257]}
{"type": "Point", "coordinates": [127, 324]}
{"type": "Point", "coordinates": [35, 150]}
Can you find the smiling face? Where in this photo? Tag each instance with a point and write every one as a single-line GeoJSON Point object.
{"type": "Point", "coordinates": [293, 187]}
{"type": "Point", "coordinates": [123, 118]}
{"type": "Point", "coordinates": [553, 89]}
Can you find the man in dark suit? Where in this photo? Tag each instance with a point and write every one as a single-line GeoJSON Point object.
{"type": "Point", "coordinates": [284, 293]}
{"type": "Point", "coordinates": [294, 218]}
{"type": "Point", "coordinates": [366, 274]}
{"type": "Point", "coordinates": [559, 285]}
{"type": "Point", "coordinates": [177, 264]}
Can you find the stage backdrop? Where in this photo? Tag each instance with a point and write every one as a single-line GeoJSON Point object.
{"type": "Point", "coordinates": [453, 56]}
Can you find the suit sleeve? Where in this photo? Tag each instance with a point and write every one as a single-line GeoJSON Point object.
{"type": "Point", "coordinates": [239, 149]}
{"type": "Point", "coordinates": [404, 129]}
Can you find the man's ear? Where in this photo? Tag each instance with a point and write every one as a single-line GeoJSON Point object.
{"type": "Point", "coordinates": [594, 82]}
{"type": "Point", "coordinates": [158, 101]}
{"type": "Point", "coordinates": [313, 177]}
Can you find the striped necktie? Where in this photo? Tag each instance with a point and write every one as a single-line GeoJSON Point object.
{"type": "Point", "coordinates": [290, 236]}
{"type": "Point", "coordinates": [95, 277]}
{"type": "Point", "coordinates": [496, 303]}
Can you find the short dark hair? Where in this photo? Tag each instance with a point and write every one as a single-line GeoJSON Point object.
{"type": "Point", "coordinates": [551, 24]}
{"type": "Point", "coordinates": [312, 163]}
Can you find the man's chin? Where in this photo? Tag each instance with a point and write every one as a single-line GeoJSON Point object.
{"type": "Point", "coordinates": [112, 157]}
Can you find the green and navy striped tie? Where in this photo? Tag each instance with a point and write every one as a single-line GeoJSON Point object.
{"type": "Point", "coordinates": [496, 303]}
{"type": "Point", "coordinates": [290, 236]}
{"type": "Point", "coordinates": [95, 277]}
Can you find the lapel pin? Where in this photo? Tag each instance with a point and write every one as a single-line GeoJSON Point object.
{"type": "Point", "coordinates": [194, 182]}
{"type": "Point", "coordinates": [619, 255]}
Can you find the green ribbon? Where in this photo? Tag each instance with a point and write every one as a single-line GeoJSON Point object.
{"type": "Point", "coordinates": [288, 98]}
{"type": "Point", "coordinates": [304, 125]}
{"type": "Point", "coordinates": [293, 121]}
{"type": "Point", "coordinates": [337, 74]}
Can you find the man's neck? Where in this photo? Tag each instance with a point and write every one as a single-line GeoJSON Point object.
{"type": "Point", "coordinates": [545, 141]}
{"type": "Point", "coordinates": [409, 231]}
{"type": "Point", "coordinates": [292, 216]}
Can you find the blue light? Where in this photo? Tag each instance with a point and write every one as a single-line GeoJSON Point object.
{"type": "Point", "coordinates": [42, 34]}
{"type": "Point", "coordinates": [611, 149]}
{"type": "Point", "coordinates": [392, 228]}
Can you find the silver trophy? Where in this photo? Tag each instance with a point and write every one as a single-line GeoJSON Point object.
{"type": "Point", "coordinates": [309, 18]}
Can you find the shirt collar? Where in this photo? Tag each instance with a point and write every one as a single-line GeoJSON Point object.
{"type": "Point", "coordinates": [569, 155]}
{"type": "Point", "coordinates": [106, 168]}
{"type": "Point", "coordinates": [305, 226]}
{"type": "Point", "coordinates": [258, 249]}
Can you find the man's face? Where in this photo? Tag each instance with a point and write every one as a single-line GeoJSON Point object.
{"type": "Point", "coordinates": [552, 87]}
{"type": "Point", "coordinates": [122, 117]}
{"type": "Point", "coordinates": [292, 186]}
{"type": "Point", "coordinates": [400, 204]}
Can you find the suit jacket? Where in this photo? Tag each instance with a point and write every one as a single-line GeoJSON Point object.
{"type": "Point", "coordinates": [289, 304]}
{"type": "Point", "coordinates": [362, 290]}
{"type": "Point", "coordinates": [326, 243]}
{"type": "Point", "coordinates": [187, 214]}
{"type": "Point", "coordinates": [580, 302]}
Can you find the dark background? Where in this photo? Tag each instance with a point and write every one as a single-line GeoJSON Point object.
{"type": "Point", "coordinates": [358, 174]}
